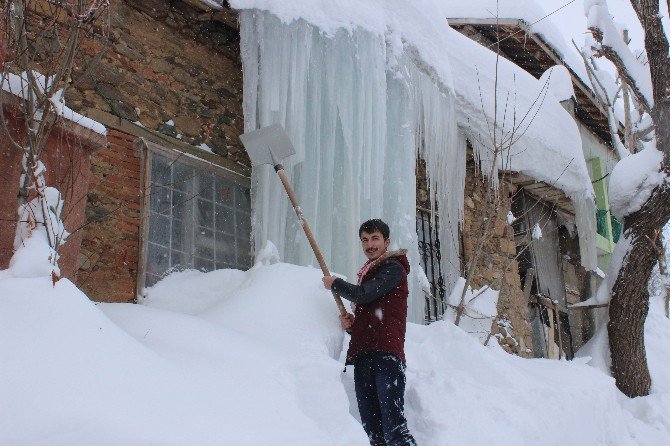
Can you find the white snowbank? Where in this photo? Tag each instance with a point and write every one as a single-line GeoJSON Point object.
{"type": "Point", "coordinates": [480, 309]}
{"type": "Point", "coordinates": [257, 368]}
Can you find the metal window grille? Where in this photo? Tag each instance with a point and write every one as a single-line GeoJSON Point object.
{"type": "Point", "coordinates": [196, 220]}
{"type": "Point", "coordinates": [430, 259]}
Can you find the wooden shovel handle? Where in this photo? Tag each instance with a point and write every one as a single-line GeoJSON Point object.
{"type": "Point", "coordinates": [308, 232]}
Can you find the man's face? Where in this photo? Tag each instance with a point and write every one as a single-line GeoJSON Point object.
{"type": "Point", "coordinates": [374, 244]}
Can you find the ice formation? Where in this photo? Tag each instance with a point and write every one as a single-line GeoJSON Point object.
{"type": "Point", "coordinates": [357, 112]}
{"type": "Point", "coordinates": [362, 93]}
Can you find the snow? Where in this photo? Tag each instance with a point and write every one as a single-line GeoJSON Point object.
{"type": "Point", "coordinates": [598, 16]}
{"type": "Point", "coordinates": [544, 18]}
{"type": "Point", "coordinates": [537, 232]}
{"type": "Point", "coordinates": [537, 136]}
{"type": "Point", "coordinates": [33, 255]}
{"type": "Point", "coordinates": [632, 181]}
{"type": "Point", "coordinates": [510, 218]}
{"type": "Point", "coordinates": [260, 366]}
{"type": "Point", "coordinates": [480, 309]}
{"type": "Point", "coordinates": [558, 82]}
{"type": "Point", "coordinates": [205, 147]}
{"type": "Point", "coordinates": [18, 86]}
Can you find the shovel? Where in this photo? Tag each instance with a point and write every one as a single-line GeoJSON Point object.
{"type": "Point", "coordinates": [270, 145]}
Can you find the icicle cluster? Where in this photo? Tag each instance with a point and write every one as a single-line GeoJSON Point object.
{"type": "Point", "coordinates": [357, 112]}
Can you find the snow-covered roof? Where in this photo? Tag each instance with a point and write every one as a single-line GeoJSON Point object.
{"type": "Point", "coordinates": [548, 148]}
{"type": "Point", "coordinates": [18, 86]}
{"type": "Point", "coordinates": [538, 20]}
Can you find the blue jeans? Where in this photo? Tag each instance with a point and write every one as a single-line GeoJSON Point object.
{"type": "Point", "coordinates": [379, 379]}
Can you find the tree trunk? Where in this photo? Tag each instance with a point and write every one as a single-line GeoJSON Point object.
{"type": "Point", "coordinates": [630, 296]}
{"type": "Point", "coordinates": [628, 311]}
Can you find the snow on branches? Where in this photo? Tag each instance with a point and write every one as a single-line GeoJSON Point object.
{"type": "Point", "coordinates": [608, 41]}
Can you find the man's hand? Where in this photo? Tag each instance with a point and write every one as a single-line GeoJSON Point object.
{"type": "Point", "coordinates": [347, 321]}
{"type": "Point", "coordinates": [328, 281]}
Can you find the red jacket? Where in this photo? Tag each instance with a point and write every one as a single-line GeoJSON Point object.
{"type": "Point", "coordinates": [380, 325]}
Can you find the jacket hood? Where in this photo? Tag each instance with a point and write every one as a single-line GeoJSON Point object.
{"type": "Point", "coordinates": [399, 255]}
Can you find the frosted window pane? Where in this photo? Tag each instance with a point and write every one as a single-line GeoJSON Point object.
{"type": "Point", "coordinates": [225, 219]}
{"type": "Point", "coordinates": [159, 230]}
{"type": "Point", "coordinates": [179, 260]}
{"type": "Point", "coordinates": [203, 264]}
{"type": "Point", "coordinates": [186, 206]}
{"type": "Point", "coordinates": [204, 243]}
{"type": "Point", "coordinates": [182, 205]}
{"type": "Point", "coordinates": [204, 185]}
{"type": "Point", "coordinates": [182, 177]}
{"type": "Point", "coordinates": [242, 198]}
{"type": "Point", "coordinates": [243, 226]}
{"type": "Point", "coordinates": [179, 240]}
{"type": "Point", "coordinates": [225, 192]}
{"type": "Point", "coordinates": [160, 199]}
{"type": "Point", "coordinates": [157, 259]}
{"type": "Point", "coordinates": [205, 213]}
{"type": "Point", "coordinates": [225, 249]}
{"type": "Point", "coordinates": [160, 171]}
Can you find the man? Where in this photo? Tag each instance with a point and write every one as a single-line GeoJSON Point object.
{"type": "Point", "coordinates": [377, 327]}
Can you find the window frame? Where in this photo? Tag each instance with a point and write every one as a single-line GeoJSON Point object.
{"type": "Point", "coordinates": [147, 149]}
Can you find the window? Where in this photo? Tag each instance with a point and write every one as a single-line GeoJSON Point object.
{"type": "Point", "coordinates": [198, 217]}
{"type": "Point", "coordinates": [431, 262]}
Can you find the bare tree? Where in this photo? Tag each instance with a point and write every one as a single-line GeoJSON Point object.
{"type": "Point", "coordinates": [41, 50]}
{"type": "Point", "coordinates": [629, 303]}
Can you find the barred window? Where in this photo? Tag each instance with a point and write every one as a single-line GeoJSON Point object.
{"type": "Point", "coordinates": [431, 261]}
{"type": "Point", "coordinates": [198, 218]}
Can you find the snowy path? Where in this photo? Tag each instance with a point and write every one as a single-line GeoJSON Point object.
{"type": "Point", "coordinates": [249, 359]}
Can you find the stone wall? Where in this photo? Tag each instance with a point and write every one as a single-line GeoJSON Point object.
{"type": "Point", "coordinates": [171, 69]}
{"type": "Point", "coordinates": [496, 265]}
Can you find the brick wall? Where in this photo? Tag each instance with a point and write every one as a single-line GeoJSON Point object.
{"type": "Point", "coordinates": [66, 157]}
{"type": "Point", "coordinates": [110, 246]}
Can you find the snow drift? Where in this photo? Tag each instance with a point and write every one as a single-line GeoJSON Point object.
{"type": "Point", "coordinates": [251, 358]}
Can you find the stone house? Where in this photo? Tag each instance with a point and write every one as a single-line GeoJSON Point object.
{"type": "Point", "coordinates": [533, 53]}
{"type": "Point", "coordinates": [172, 187]}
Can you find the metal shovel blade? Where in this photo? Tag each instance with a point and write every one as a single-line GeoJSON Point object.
{"type": "Point", "coordinates": [268, 145]}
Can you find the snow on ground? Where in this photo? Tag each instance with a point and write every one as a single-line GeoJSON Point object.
{"type": "Point", "coordinates": [251, 358]}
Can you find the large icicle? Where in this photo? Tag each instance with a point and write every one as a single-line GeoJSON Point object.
{"type": "Point", "coordinates": [330, 94]}
{"type": "Point", "coordinates": [443, 148]}
{"type": "Point", "coordinates": [357, 113]}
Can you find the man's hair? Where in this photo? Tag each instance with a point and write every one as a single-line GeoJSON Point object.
{"type": "Point", "coordinates": [373, 225]}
